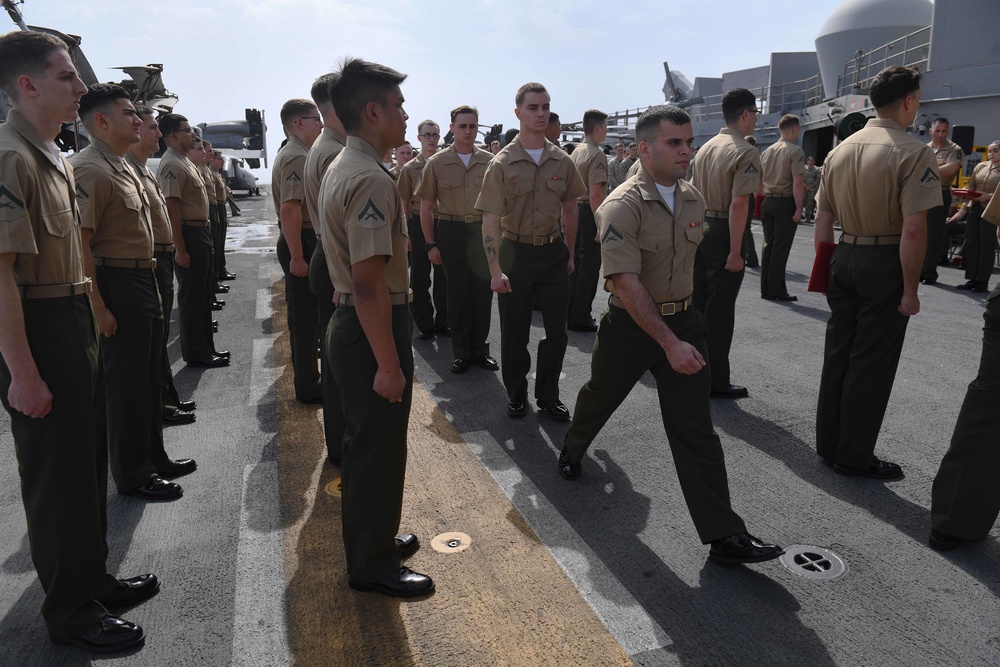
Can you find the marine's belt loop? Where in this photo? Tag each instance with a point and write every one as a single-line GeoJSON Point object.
{"type": "Point", "coordinates": [54, 291]}
{"type": "Point", "coordinates": [870, 240]}
{"type": "Point", "coordinates": [125, 263]}
{"type": "Point", "coordinates": [532, 240]}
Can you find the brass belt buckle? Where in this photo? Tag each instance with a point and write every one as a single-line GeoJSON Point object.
{"type": "Point", "coordinates": [470, 218]}
{"type": "Point", "coordinates": [668, 308]}
{"type": "Point", "coordinates": [539, 240]}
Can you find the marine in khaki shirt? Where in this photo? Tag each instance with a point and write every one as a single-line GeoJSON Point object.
{"type": "Point", "coordinates": [448, 189]}
{"type": "Point", "coordinates": [113, 204]}
{"type": "Point", "coordinates": [727, 168]}
{"type": "Point", "coordinates": [321, 156]}
{"type": "Point", "coordinates": [650, 229]}
{"type": "Point", "coordinates": [178, 177]}
{"type": "Point", "coordinates": [162, 233]}
{"type": "Point", "coordinates": [782, 162]}
{"type": "Point", "coordinates": [362, 216]}
{"type": "Point", "coordinates": [36, 185]}
{"type": "Point", "coordinates": [592, 164]}
{"type": "Point", "coordinates": [288, 183]}
{"type": "Point", "coordinates": [879, 183]}
{"type": "Point", "coordinates": [949, 156]}
{"type": "Point", "coordinates": [522, 198]}
{"type": "Point", "coordinates": [784, 165]}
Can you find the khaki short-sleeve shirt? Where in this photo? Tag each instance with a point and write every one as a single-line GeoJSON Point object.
{"type": "Point", "coordinates": [361, 215]}
{"type": "Point", "coordinates": [727, 167]}
{"type": "Point", "coordinates": [877, 177]}
{"type": "Point", "coordinates": [592, 164]}
{"type": "Point", "coordinates": [985, 177]}
{"type": "Point", "coordinates": [287, 176]}
{"type": "Point", "coordinates": [453, 187]}
{"type": "Point", "coordinates": [206, 176]}
{"type": "Point", "coordinates": [407, 181]}
{"type": "Point", "coordinates": [782, 162]}
{"type": "Point", "coordinates": [113, 204]}
{"type": "Point", "coordinates": [38, 214]}
{"type": "Point", "coordinates": [321, 154]}
{"type": "Point", "coordinates": [178, 177]}
{"type": "Point", "coordinates": [528, 197]}
{"type": "Point", "coordinates": [949, 153]}
{"type": "Point", "coordinates": [162, 231]}
{"type": "Point", "coordinates": [220, 187]}
{"type": "Point", "coordinates": [641, 235]}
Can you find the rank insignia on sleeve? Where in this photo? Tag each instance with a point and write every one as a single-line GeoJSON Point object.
{"type": "Point", "coordinates": [81, 193]}
{"type": "Point", "coordinates": [930, 178]}
{"type": "Point", "coordinates": [169, 176]}
{"type": "Point", "coordinates": [293, 178]}
{"type": "Point", "coordinates": [750, 170]}
{"type": "Point", "coordinates": [370, 217]}
{"type": "Point", "coordinates": [612, 238]}
{"type": "Point", "coordinates": [11, 206]}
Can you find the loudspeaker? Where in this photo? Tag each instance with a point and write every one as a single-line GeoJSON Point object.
{"type": "Point", "coordinates": [964, 136]}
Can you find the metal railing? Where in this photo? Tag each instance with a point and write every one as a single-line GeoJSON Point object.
{"type": "Point", "coordinates": [911, 50]}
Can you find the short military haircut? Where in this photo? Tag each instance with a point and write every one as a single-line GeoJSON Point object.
{"type": "Point", "coordinates": [465, 108]}
{"type": "Point", "coordinates": [632, 145]}
{"type": "Point", "coordinates": [99, 99]}
{"type": "Point", "coordinates": [170, 122]}
{"type": "Point", "coordinates": [142, 110]}
{"type": "Point", "coordinates": [648, 125]}
{"type": "Point", "coordinates": [735, 102]}
{"type": "Point", "coordinates": [787, 121]}
{"type": "Point", "coordinates": [532, 87]}
{"type": "Point", "coordinates": [554, 118]}
{"type": "Point", "coordinates": [25, 52]}
{"type": "Point", "coordinates": [294, 109]}
{"type": "Point", "coordinates": [619, 144]}
{"type": "Point", "coordinates": [592, 119]}
{"type": "Point", "coordinates": [424, 123]}
{"type": "Point", "coordinates": [892, 85]}
{"type": "Point", "coordinates": [941, 119]}
{"type": "Point", "coordinates": [750, 139]}
{"type": "Point", "coordinates": [361, 82]}
{"type": "Point", "coordinates": [320, 91]}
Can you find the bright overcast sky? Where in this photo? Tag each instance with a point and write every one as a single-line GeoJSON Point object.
{"type": "Point", "coordinates": [221, 56]}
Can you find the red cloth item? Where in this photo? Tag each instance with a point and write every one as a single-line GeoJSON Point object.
{"type": "Point", "coordinates": [819, 279]}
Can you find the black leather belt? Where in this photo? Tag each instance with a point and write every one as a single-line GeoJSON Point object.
{"type": "Point", "coordinates": [666, 308]}
{"type": "Point", "coordinates": [716, 215]}
{"type": "Point", "coordinates": [125, 263]}
{"type": "Point", "coordinates": [460, 218]}
{"type": "Point", "coordinates": [397, 299]}
{"type": "Point", "coordinates": [195, 223]}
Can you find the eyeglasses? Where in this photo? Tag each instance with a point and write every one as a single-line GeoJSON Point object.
{"type": "Point", "coordinates": [755, 112]}
{"type": "Point", "coordinates": [429, 135]}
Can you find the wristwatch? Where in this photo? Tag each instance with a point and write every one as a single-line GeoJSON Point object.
{"type": "Point", "coordinates": [428, 246]}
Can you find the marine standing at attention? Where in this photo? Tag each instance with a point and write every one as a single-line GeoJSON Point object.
{"type": "Point", "coordinates": [783, 163]}
{"type": "Point", "coordinates": [879, 183]}
{"type": "Point", "coordinates": [53, 388]}
{"type": "Point", "coordinates": [526, 187]}
{"type": "Point", "coordinates": [650, 230]}
{"type": "Point", "coordinates": [727, 170]}
{"type": "Point", "coordinates": [368, 343]}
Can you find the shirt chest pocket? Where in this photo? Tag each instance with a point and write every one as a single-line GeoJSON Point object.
{"type": "Point", "coordinates": [655, 243]}
{"type": "Point", "coordinates": [58, 223]}
{"type": "Point", "coordinates": [131, 201]}
{"type": "Point", "coordinates": [518, 187]}
{"type": "Point", "coordinates": [694, 234]}
{"type": "Point", "coordinates": [557, 187]}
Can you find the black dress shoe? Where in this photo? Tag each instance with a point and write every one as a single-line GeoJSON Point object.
{"type": "Point", "coordinates": [178, 417]}
{"type": "Point", "coordinates": [742, 548]}
{"type": "Point", "coordinates": [221, 289]}
{"type": "Point", "coordinates": [408, 544]}
{"type": "Point", "coordinates": [443, 331]}
{"type": "Point", "coordinates": [186, 406]}
{"type": "Point", "coordinates": [218, 305]}
{"type": "Point", "coordinates": [929, 280]}
{"type": "Point", "coordinates": [786, 297]}
{"type": "Point", "coordinates": [403, 584]}
{"type": "Point", "coordinates": [227, 275]}
{"type": "Point", "coordinates": [157, 489]}
{"type": "Point", "coordinates": [459, 366]}
{"type": "Point", "coordinates": [732, 391]}
{"type": "Point", "coordinates": [878, 470]}
{"type": "Point", "coordinates": [177, 468]}
{"type": "Point", "coordinates": [110, 635]}
{"type": "Point", "coordinates": [210, 362]}
{"type": "Point", "coordinates": [518, 407]}
{"type": "Point", "coordinates": [966, 285]}
{"type": "Point", "coordinates": [487, 363]}
{"type": "Point", "coordinates": [755, 265]}
{"type": "Point", "coordinates": [590, 327]}
{"type": "Point", "coordinates": [980, 287]}
{"type": "Point", "coordinates": [943, 542]}
{"type": "Point", "coordinates": [215, 327]}
{"type": "Point", "coordinates": [426, 334]}
{"type": "Point", "coordinates": [554, 409]}
{"type": "Point", "coordinates": [567, 468]}
{"type": "Point", "coordinates": [131, 591]}
{"type": "Point", "coordinates": [225, 354]}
